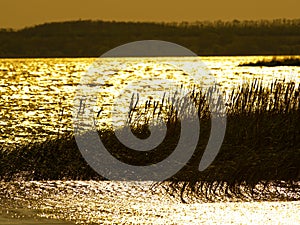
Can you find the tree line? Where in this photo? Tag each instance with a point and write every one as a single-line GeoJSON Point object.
{"type": "Point", "coordinates": [86, 38]}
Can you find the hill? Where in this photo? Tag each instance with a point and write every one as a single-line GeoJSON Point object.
{"type": "Point", "coordinates": [92, 38]}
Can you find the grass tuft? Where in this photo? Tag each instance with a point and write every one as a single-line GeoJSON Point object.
{"type": "Point", "coordinates": [287, 61]}
{"type": "Point", "coordinates": [259, 158]}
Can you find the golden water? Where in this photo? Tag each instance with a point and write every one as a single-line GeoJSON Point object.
{"type": "Point", "coordinates": [37, 94]}
{"type": "Point", "coordinates": [106, 202]}
{"type": "Point", "coordinates": [36, 102]}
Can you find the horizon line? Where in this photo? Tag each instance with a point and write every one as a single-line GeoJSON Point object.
{"type": "Point", "coordinates": [151, 22]}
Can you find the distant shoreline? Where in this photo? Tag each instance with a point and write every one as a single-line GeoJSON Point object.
{"type": "Point", "coordinates": [286, 61]}
{"type": "Point", "coordinates": [78, 57]}
{"type": "Point", "coordinates": [86, 38]}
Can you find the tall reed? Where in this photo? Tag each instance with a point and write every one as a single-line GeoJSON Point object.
{"type": "Point", "coordinates": [259, 158]}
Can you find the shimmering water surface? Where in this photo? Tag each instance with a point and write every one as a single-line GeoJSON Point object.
{"type": "Point", "coordinates": [37, 94]}
{"type": "Point", "coordinates": [107, 202]}
{"type": "Point", "coordinates": [36, 102]}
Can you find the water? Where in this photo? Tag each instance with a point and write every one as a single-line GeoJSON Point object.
{"type": "Point", "coordinates": [89, 202]}
{"type": "Point", "coordinates": [37, 94]}
{"type": "Point", "coordinates": [36, 102]}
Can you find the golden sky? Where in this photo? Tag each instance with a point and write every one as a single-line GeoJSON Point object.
{"type": "Point", "coordinates": [21, 13]}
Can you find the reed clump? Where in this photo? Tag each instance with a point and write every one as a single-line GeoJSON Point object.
{"type": "Point", "coordinates": [260, 155]}
{"type": "Point", "coordinates": [275, 61]}
{"type": "Point", "coordinates": [259, 158]}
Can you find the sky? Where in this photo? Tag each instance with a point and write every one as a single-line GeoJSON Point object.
{"type": "Point", "coordinates": [17, 14]}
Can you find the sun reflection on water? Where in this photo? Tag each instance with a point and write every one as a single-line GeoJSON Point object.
{"type": "Point", "coordinates": [37, 94]}
{"type": "Point", "coordinates": [36, 103]}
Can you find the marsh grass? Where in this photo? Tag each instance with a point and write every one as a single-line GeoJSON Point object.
{"type": "Point", "coordinates": [286, 61]}
{"type": "Point", "coordinates": [259, 157]}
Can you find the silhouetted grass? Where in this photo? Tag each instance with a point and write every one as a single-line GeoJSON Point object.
{"type": "Point", "coordinates": [260, 153]}
{"type": "Point", "coordinates": [261, 150]}
{"type": "Point", "coordinates": [50, 160]}
{"type": "Point", "coordinates": [287, 61]}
